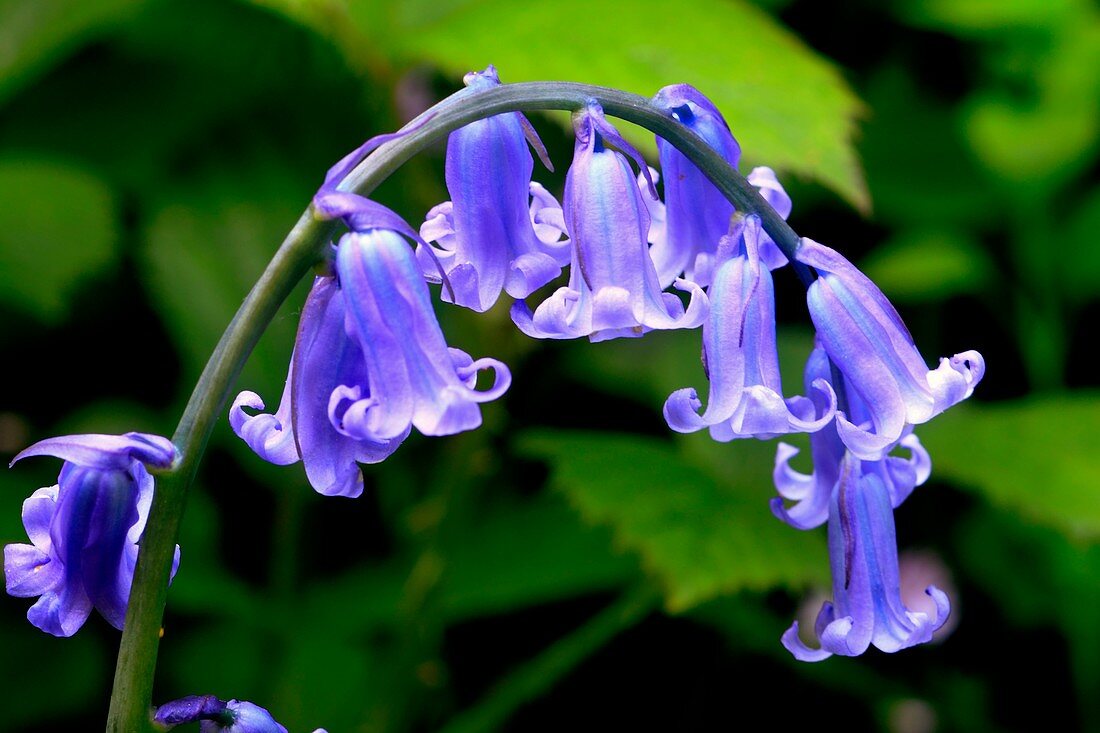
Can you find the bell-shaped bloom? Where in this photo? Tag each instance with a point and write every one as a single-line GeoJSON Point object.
{"type": "Point", "coordinates": [865, 338]}
{"type": "Point", "coordinates": [613, 289]}
{"type": "Point", "coordinates": [491, 235]}
{"type": "Point", "coordinates": [697, 213]}
{"type": "Point", "coordinates": [866, 608]}
{"type": "Point", "coordinates": [215, 716]}
{"type": "Point", "coordinates": [813, 492]}
{"type": "Point", "coordinates": [324, 358]}
{"type": "Point", "coordinates": [84, 531]}
{"type": "Point", "coordinates": [410, 376]}
{"type": "Point", "coordinates": [739, 351]}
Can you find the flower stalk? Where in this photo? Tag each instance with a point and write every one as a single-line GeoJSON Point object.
{"type": "Point", "coordinates": [302, 248]}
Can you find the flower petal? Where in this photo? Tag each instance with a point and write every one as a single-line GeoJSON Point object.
{"type": "Point", "coordinates": [105, 451]}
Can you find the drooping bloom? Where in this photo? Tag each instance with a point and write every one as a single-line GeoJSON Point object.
{"type": "Point", "coordinates": [489, 236]}
{"type": "Point", "coordinates": [84, 531]}
{"type": "Point", "coordinates": [866, 608]}
{"type": "Point", "coordinates": [324, 359]}
{"type": "Point", "coordinates": [865, 338]}
{"type": "Point", "coordinates": [215, 716]}
{"type": "Point", "coordinates": [409, 377]}
{"type": "Point", "coordinates": [813, 492]}
{"type": "Point", "coordinates": [697, 213]}
{"type": "Point", "coordinates": [613, 289]}
{"type": "Point", "coordinates": [739, 351]}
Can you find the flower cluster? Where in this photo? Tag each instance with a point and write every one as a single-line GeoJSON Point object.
{"type": "Point", "coordinates": [371, 363]}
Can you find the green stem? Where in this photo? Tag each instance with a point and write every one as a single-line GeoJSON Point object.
{"type": "Point", "coordinates": [539, 675]}
{"type": "Point", "coordinates": [133, 685]}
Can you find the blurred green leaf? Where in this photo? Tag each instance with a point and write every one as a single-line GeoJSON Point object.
{"type": "Point", "coordinates": [918, 163]}
{"type": "Point", "coordinates": [49, 678]}
{"type": "Point", "coordinates": [232, 660]}
{"type": "Point", "coordinates": [35, 35]}
{"type": "Point", "coordinates": [1036, 456]}
{"type": "Point", "coordinates": [1080, 257]}
{"type": "Point", "coordinates": [993, 16]}
{"type": "Point", "coordinates": [204, 587]}
{"type": "Point", "coordinates": [526, 553]}
{"type": "Point", "coordinates": [57, 226]}
{"type": "Point", "coordinates": [207, 245]}
{"type": "Point", "coordinates": [1040, 577]}
{"type": "Point", "coordinates": [922, 265]}
{"type": "Point", "coordinates": [1041, 110]}
{"type": "Point", "coordinates": [789, 107]}
{"type": "Point", "coordinates": [329, 680]}
{"type": "Point", "coordinates": [1028, 143]}
{"type": "Point", "coordinates": [699, 537]}
{"type": "Point", "coordinates": [517, 555]}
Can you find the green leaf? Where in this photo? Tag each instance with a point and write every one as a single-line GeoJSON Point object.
{"type": "Point", "coordinates": [57, 226]}
{"type": "Point", "coordinates": [36, 35]}
{"type": "Point", "coordinates": [699, 536]}
{"type": "Point", "coordinates": [922, 265]}
{"type": "Point", "coordinates": [1036, 456]}
{"type": "Point", "coordinates": [789, 107]}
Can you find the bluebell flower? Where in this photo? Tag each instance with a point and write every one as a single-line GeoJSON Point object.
{"type": "Point", "coordinates": [408, 376]}
{"type": "Point", "coordinates": [215, 716]}
{"type": "Point", "coordinates": [866, 608]}
{"type": "Point", "coordinates": [613, 289]}
{"type": "Point", "coordinates": [84, 531]}
{"type": "Point", "coordinates": [865, 338]}
{"type": "Point", "coordinates": [324, 359]}
{"type": "Point", "coordinates": [813, 492]}
{"type": "Point", "coordinates": [492, 234]}
{"type": "Point", "coordinates": [697, 213]}
{"type": "Point", "coordinates": [739, 352]}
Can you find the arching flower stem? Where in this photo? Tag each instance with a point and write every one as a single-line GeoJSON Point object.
{"type": "Point", "coordinates": [303, 247]}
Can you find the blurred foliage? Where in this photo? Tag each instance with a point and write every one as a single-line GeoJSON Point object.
{"type": "Point", "coordinates": [572, 554]}
{"type": "Point", "coordinates": [41, 254]}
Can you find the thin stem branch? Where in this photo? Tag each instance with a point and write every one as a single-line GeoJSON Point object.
{"type": "Point", "coordinates": [133, 685]}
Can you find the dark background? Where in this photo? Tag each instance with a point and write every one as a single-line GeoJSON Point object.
{"type": "Point", "coordinates": [572, 564]}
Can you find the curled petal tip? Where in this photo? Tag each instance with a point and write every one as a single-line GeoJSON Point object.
{"type": "Point", "coordinates": [681, 411]}
{"type": "Point", "coordinates": [798, 648]}
{"type": "Point", "coordinates": [943, 606]}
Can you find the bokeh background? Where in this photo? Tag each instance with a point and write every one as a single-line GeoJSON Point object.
{"type": "Point", "coordinates": [572, 564]}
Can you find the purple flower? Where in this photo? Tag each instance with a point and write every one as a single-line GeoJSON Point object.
{"type": "Point", "coordinates": [235, 716]}
{"type": "Point", "coordinates": [812, 493]}
{"type": "Point", "coordinates": [490, 237]}
{"type": "Point", "coordinates": [324, 358]}
{"type": "Point", "coordinates": [408, 376]}
{"type": "Point", "coordinates": [84, 531]}
{"type": "Point", "coordinates": [867, 341]}
{"type": "Point", "coordinates": [863, 557]}
{"type": "Point", "coordinates": [613, 288]}
{"type": "Point", "coordinates": [739, 351]}
{"type": "Point", "coordinates": [697, 213]}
